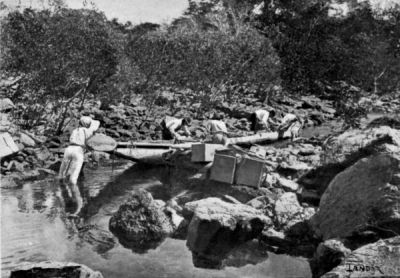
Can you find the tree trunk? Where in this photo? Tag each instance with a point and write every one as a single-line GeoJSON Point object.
{"type": "Point", "coordinates": [260, 138]}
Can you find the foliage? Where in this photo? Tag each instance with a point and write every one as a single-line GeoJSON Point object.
{"type": "Point", "coordinates": [315, 46]}
{"type": "Point", "coordinates": [210, 62]}
{"type": "Point", "coordinates": [61, 54]}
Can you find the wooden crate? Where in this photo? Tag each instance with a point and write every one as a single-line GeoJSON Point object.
{"type": "Point", "coordinates": [223, 168]}
{"type": "Point", "coordinates": [249, 172]}
{"type": "Point", "coordinates": [204, 152]}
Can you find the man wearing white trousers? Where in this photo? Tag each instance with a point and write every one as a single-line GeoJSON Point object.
{"type": "Point", "coordinates": [75, 153]}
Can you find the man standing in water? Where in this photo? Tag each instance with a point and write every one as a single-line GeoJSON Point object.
{"type": "Point", "coordinates": [74, 156]}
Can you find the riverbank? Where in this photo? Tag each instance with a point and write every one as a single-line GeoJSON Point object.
{"type": "Point", "coordinates": [284, 215]}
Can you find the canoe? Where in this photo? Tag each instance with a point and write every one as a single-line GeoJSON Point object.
{"type": "Point", "coordinates": [153, 156]}
{"type": "Point", "coordinates": [153, 152]}
{"type": "Point", "coordinates": [154, 145]}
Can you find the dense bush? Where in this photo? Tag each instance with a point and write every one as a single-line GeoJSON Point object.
{"type": "Point", "coordinates": [61, 55]}
{"type": "Point", "coordinates": [316, 47]}
{"type": "Point", "coordinates": [206, 59]}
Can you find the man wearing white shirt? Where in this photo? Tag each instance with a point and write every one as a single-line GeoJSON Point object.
{"type": "Point", "coordinates": [75, 153]}
{"type": "Point", "coordinates": [171, 126]}
{"type": "Point", "coordinates": [217, 128]}
{"type": "Point", "coordinates": [260, 119]}
{"type": "Point", "coordinates": [291, 122]}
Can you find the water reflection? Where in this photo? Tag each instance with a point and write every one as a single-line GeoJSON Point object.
{"type": "Point", "coordinates": [35, 227]}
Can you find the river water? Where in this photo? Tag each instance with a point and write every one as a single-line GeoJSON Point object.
{"type": "Point", "coordinates": [34, 228]}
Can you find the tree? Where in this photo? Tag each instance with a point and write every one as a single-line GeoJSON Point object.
{"type": "Point", "coordinates": [210, 63]}
{"type": "Point", "coordinates": [61, 54]}
{"type": "Point", "coordinates": [315, 47]}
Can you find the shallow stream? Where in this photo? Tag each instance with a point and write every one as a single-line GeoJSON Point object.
{"type": "Point", "coordinates": [35, 228]}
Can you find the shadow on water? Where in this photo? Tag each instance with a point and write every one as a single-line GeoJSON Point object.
{"type": "Point", "coordinates": [137, 176]}
{"type": "Point", "coordinates": [35, 228]}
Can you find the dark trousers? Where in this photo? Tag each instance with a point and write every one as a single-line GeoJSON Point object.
{"type": "Point", "coordinates": [166, 134]}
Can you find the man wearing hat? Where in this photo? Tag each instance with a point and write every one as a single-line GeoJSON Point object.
{"type": "Point", "coordinates": [291, 122]}
{"type": "Point", "coordinates": [171, 126]}
{"type": "Point", "coordinates": [75, 153]}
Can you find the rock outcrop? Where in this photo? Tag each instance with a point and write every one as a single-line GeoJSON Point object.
{"type": "Point", "coordinates": [288, 212]}
{"type": "Point", "coordinates": [51, 269]}
{"type": "Point", "coordinates": [217, 227]}
{"type": "Point", "coordinates": [141, 223]}
{"type": "Point", "coordinates": [379, 259]}
{"type": "Point", "coordinates": [342, 151]}
{"type": "Point", "coordinates": [364, 197]}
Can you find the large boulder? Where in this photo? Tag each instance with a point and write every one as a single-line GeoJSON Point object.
{"type": "Point", "coordinates": [364, 197]}
{"type": "Point", "coordinates": [217, 227]}
{"type": "Point", "coordinates": [51, 269]}
{"type": "Point", "coordinates": [352, 141]}
{"type": "Point", "coordinates": [379, 259]}
{"type": "Point", "coordinates": [346, 149]}
{"type": "Point", "coordinates": [141, 222]}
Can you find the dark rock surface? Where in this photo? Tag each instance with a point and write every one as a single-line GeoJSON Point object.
{"type": "Point", "coordinates": [217, 227]}
{"type": "Point", "coordinates": [141, 223]}
{"type": "Point", "coordinates": [379, 259]}
{"type": "Point", "coordinates": [51, 269]}
{"type": "Point", "coordinates": [365, 196]}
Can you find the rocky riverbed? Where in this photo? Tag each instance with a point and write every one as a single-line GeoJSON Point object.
{"type": "Point", "coordinates": [327, 197]}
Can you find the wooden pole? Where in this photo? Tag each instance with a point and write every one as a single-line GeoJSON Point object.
{"type": "Point", "coordinates": [260, 138]}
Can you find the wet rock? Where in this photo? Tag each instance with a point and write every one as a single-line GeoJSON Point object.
{"type": "Point", "coordinates": [364, 196]}
{"type": "Point", "coordinates": [217, 227]}
{"type": "Point", "coordinates": [328, 255]}
{"type": "Point", "coordinates": [286, 184]}
{"type": "Point", "coordinates": [298, 240]}
{"type": "Point", "coordinates": [288, 211]}
{"type": "Point", "coordinates": [390, 121]}
{"type": "Point", "coordinates": [350, 142]}
{"type": "Point", "coordinates": [276, 240]}
{"type": "Point", "coordinates": [42, 154]}
{"type": "Point", "coordinates": [26, 140]}
{"type": "Point", "coordinates": [7, 145]}
{"type": "Point", "coordinates": [344, 150]}
{"type": "Point", "coordinates": [6, 104]}
{"type": "Point", "coordinates": [50, 269]}
{"type": "Point", "coordinates": [379, 259]}
{"type": "Point", "coordinates": [141, 223]}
